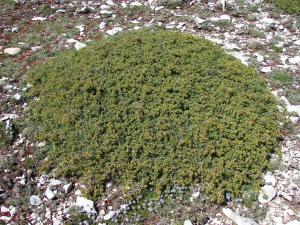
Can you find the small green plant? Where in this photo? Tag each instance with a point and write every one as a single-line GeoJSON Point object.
{"type": "Point", "coordinates": [9, 68]}
{"type": "Point", "coordinates": [257, 34]}
{"type": "Point", "coordinates": [275, 48]}
{"type": "Point", "coordinates": [289, 6]}
{"type": "Point", "coordinates": [293, 95]}
{"type": "Point", "coordinates": [76, 216]}
{"type": "Point", "coordinates": [296, 24]}
{"type": "Point", "coordinates": [6, 137]}
{"type": "Point", "coordinates": [44, 9]}
{"type": "Point", "coordinates": [6, 162]}
{"type": "Point", "coordinates": [136, 11]}
{"type": "Point", "coordinates": [223, 24]}
{"type": "Point", "coordinates": [171, 4]}
{"type": "Point", "coordinates": [256, 45]}
{"type": "Point", "coordinates": [150, 110]}
{"type": "Point", "coordinates": [260, 213]}
{"type": "Point", "coordinates": [249, 198]}
{"type": "Point", "coordinates": [281, 78]}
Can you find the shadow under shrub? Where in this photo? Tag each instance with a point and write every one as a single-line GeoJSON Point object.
{"type": "Point", "coordinates": [153, 110]}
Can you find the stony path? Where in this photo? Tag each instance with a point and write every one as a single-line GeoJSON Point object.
{"type": "Point", "coordinates": [253, 32]}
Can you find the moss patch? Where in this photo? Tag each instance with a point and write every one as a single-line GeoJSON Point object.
{"type": "Point", "coordinates": [154, 110]}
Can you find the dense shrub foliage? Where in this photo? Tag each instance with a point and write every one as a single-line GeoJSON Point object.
{"type": "Point", "coordinates": [154, 110]}
{"type": "Point", "coordinates": [289, 6]}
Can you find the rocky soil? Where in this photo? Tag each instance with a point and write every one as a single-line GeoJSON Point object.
{"type": "Point", "coordinates": [32, 32]}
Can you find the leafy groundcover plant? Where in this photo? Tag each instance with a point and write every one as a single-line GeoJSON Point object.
{"type": "Point", "coordinates": [289, 6]}
{"type": "Point", "coordinates": [151, 110]}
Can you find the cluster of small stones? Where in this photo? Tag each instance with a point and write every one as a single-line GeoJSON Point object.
{"type": "Point", "coordinates": [52, 200]}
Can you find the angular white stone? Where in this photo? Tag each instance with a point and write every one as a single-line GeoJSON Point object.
{"type": "Point", "coordinates": [68, 188]}
{"type": "Point", "coordinates": [14, 29]}
{"type": "Point", "coordinates": [290, 108]}
{"type": "Point", "coordinates": [268, 21]}
{"type": "Point", "coordinates": [294, 222]}
{"type": "Point", "coordinates": [286, 196]}
{"type": "Point", "coordinates": [109, 2]}
{"type": "Point", "coordinates": [104, 7]}
{"type": "Point", "coordinates": [187, 222]}
{"type": "Point", "coordinates": [266, 194]}
{"type": "Point", "coordinates": [114, 31]}
{"type": "Point", "coordinates": [102, 25]}
{"type": "Point", "coordinates": [70, 41]}
{"type": "Point", "coordinates": [240, 56]}
{"type": "Point", "coordinates": [80, 27]}
{"type": "Point", "coordinates": [295, 60]}
{"type": "Point", "coordinates": [17, 96]}
{"type": "Point", "coordinates": [239, 220]}
{"type": "Point", "coordinates": [35, 200]}
{"type": "Point", "coordinates": [269, 179]}
{"type": "Point", "coordinates": [49, 194]}
{"type": "Point", "coordinates": [196, 194]}
{"type": "Point", "coordinates": [224, 17]}
{"type": "Point", "coordinates": [294, 119]}
{"type": "Point", "coordinates": [283, 58]}
{"type": "Point", "coordinates": [60, 11]}
{"type": "Point", "coordinates": [266, 69]}
{"type": "Point", "coordinates": [109, 215]}
{"type": "Point", "coordinates": [86, 205]}
{"type": "Point", "coordinates": [12, 51]}
{"type": "Point", "coordinates": [198, 20]}
{"type": "Point", "coordinates": [259, 57]}
{"type": "Point", "coordinates": [54, 182]}
{"type": "Point", "coordinates": [79, 45]}
{"type": "Point", "coordinates": [297, 42]}
{"type": "Point", "coordinates": [38, 18]}
{"type": "Point", "coordinates": [56, 221]}
{"type": "Point", "coordinates": [105, 12]}
{"type": "Point", "coordinates": [124, 207]}
{"type": "Point", "coordinates": [136, 4]}
{"type": "Point", "coordinates": [231, 46]}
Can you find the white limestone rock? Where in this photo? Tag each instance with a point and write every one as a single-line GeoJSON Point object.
{"type": "Point", "coordinates": [266, 194]}
{"type": "Point", "coordinates": [86, 205]}
{"type": "Point", "coordinates": [35, 200]}
{"type": "Point", "coordinates": [295, 60]}
{"type": "Point", "coordinates": [102, 25]}
{"type": "Point", "coordinates": [17, 96]}
{"type": "Point", "coordinates": [239, 55]}
{"type": "Point", "coordinates": [187, 222]}
{"type": "Point", "coordinates": [224, 17]}
{"type": "Point", "coordinates": [199, 21]}
{"type": "Point", "coordinates": [114, 31]}
{"type": "Point", "coordinates": [239, 220]}
{"type": "Point", "coordinates": [294, 222]}
{"type": "Point", "coordinates": [269, 179]}
{"type": "Point", "coordinates": [294, 119]}
{"type": "Point", "coordinates": [49, 193]}
{"type": "Point", "coordinates": [54, 183]}
{"type": "Point", "coordinates": [297, 42]}
{"type": "Point", "coordinates": [68, 187]}
{"type": "Point", "coordinates": [266, 69]}
{"type": "Point", "coordinates": [38, 18]}
{"type": "Point", "coordinates": [12, 51]}
{"type": "Point", "coordinates": [79, 45]}
{"type": "Point", "coordinates": [109, 215]}
{"type": "Point", "coordinates": [291, 108]}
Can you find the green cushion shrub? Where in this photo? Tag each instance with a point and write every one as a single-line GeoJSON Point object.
{"type": "Point", "coordinates": [288, 6]}
{"type": "Point", "coordinates": [153, 110]}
